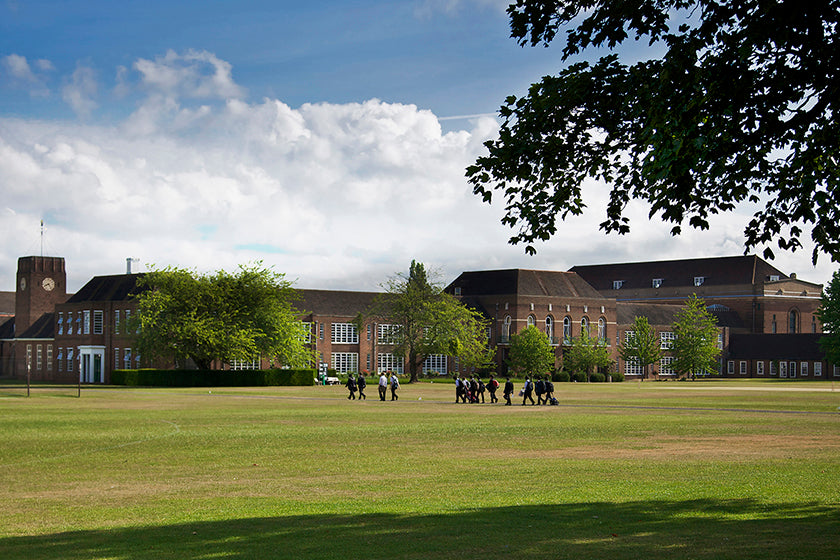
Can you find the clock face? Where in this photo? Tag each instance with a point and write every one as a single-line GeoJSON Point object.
{"type": "Point", "coordinates": [48, 284]}
{"type": "Point", "coordinates": [23, 283]}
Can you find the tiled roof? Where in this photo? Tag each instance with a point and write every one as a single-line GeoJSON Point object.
{"type": "Point", "coordinates": [746, 269]}
{"type": "Point", "coordinates": [44, 327]}
{"type": "Point", "coordinates": [334, 303]}
{"type": "Point", "coordinates": [657, 314]}
{"type": "Point", "coordinates": [522, 282]}
{"type": "Point", "coordinates": [7, 329]}
{"type": "Point", "coordinates": [7, 303]}
{"type": "Point", "coordinates": [776, 347]}
{"type": "Point", "coordinates": [119, 287]}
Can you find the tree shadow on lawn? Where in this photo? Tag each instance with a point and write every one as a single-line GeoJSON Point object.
{"type": "Point", "coordinates": [639, 530]}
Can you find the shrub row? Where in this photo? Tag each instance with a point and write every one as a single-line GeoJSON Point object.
{"type": "Point", "coordinates": [212, 378]}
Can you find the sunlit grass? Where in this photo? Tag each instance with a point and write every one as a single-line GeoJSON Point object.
{"type": "Point", "coordinates": [654, 470]}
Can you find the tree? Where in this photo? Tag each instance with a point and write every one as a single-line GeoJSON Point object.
{"type": "Point", "coordinates": [424, 320]}
{"type": "Point", "coordinates": [641, 345]}
{"type": "Point", "coordinates": [587, 353]}
{"type": "Point", "coordinates": [530, 352]}
{"type": "Point", "coordinates": [829, 316]}
{"type": "Point", "coordinates": [695, 347]}
{"type": "Point", "coordinates": [219, 317]}
{"type": "Point", "coordinates": [741, 108]}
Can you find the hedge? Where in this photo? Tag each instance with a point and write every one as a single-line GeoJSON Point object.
{"type": "Point", "coordinates": [212, 378]}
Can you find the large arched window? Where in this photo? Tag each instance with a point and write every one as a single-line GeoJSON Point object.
{"type": "Point", "coordinates": [602, 329]}
{"type": "Point", "coordinates": [549, 328]}
{"type": "Point", "coordinates": [506, 329]}
{"type": "Point", "coordinates": [567, 327]}
{"type": "Point", "coordinates": [532, 321]}
{"type": "Point", "coordinates": [584, 326]}
{"type": "Point", "coordinates": [793, 321]}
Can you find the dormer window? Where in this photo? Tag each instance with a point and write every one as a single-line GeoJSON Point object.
{"type": "Point", "coordinates": [774, 277]}
{"type": "Point", "coordinates": [657, 282]}
{"type": "Point", "coordinates": [698, 280]}
{"type": "Point", "coordinates": [617, 284]}
{"type": "Point", "coordinates": [457, 290]}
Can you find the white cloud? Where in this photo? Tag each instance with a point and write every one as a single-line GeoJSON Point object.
{"type": "Point", "coordinates": [21, 74]}
{"type": "Point", "coordinates": [336, 196]}
{"type": "Point", "coordinates": [80, 91]}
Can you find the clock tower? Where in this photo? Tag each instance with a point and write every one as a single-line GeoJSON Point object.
{"type": "Point", "coordinates": [41, 284]}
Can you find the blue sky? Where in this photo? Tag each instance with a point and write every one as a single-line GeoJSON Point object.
{"type": "Point", "coordinates": [327, 139]}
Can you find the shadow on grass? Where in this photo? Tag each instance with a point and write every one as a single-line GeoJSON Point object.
{"type": "Point", "coordinates": [639, 530]}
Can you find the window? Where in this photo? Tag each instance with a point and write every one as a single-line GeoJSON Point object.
{"type": "Point", "coordinates": [389, 362]}
{"type": "Point", "coordinates": [69, 322]}
{"type": "Point", "coordinates": [792, 369]}
{"type": "Point", "coordinates": [306, 331]}
{"type": "Point", "coordinates": [665, 366]}
{"type": "Point", "coordinates": [817, 369]}
{"type": "Point", "coordinates": [457, 291]}
{"type": "Point", "coordinates": [436, 363]}
{"type": "Point", "coordinates": [730, 367]}
{"type": "Point", "coordinates": [803, 369]}
{"type": "Point", "coordinates": [116, 321]}
{"type": "Point", "coordinates": [345, 333]}
{"type": "Point", "coordinates": [69, 359]}
{"type": "Point", "coordinates": [98, 319]}
{"type": "Point", "coordinates": [321, 331]}
{"type": "Point", "coordinates": [39, 357]}
{"type": "Point", "coordinates": [783, 369]}
{"type": "Point", "coordinates": [60, 359]}
{"type": "Point", "coordinates": [617, 284]}
{"type": "Point", "coordinates": [367, 362]}
{"type": "Point", "coordinates": [632, 367]}
{"type": "Point", "coordinates": [813, 324]}
{"type": "Point", "coordinates": [86, 313]}
{"type": "Point", "coordinates": [387, 334]}
{"type": "Point", "coordinates": [774, 277]}
{"type": "Point", "coordinates": [345, 362]}
{"type": "Point", "coordinates": [506, 329]}
{"type": "Point", "coordinates": [127, 358]}
{"type": "Point", "coordinates": [773, 369]}
{"type": "Point", "coordinates": [759, 368]}
{"type": "Point", "coordinates": [657, 282]}
{"type": "Point", "coordinates": [666, 340]}
{"type": "Point", "coordinates": [773, 324]}
{"type": "Point", "coordinates": [602, 330]}
{"type": "Point", "coordinates": [567, 328]}
{"type": "Point", "coordinates": [60, 322]}
{"type": "Point", "coordinates": [369, 332]}
{"type": "Point", "coordinates": [793, 321]}
{"type": "Point", "coordinates": [532, 321]}
{"type": "Point", "coordinates": [698, 280]}
{"type": "Point", "coordinates": [239, 365]}
{"type": "Point", "coordinates": [743, 368]}
{"type": "Point", "coordinates": [549, 329]}
{"type": "Point", "coordinates": [116, 358]}
{"type": "Point", "coordinates": [584, 326]}
{"type": "Point", "coordinates": [49, 357]}
{"type": "Point", "coordinates": [836, 371]}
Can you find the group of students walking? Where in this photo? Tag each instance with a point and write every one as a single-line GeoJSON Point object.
{"type": "Point", "coordinates": [359, 383]}
{"type": "Point", "coordinates": [472, 389]}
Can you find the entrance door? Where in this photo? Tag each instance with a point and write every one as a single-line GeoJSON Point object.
{"type": "Point", "coordinates": [92, 364]}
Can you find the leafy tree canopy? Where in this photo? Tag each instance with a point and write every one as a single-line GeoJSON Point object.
{"type": "Point", "coordinates": [530, 352]}
{"type": "Point", "coordinates": [742, 107]}
{"type": "Point", "coordinates": [587, 353]}
{"type": "Point", "coordinates": [219, 317]}
{"type": "Point", "coordinates": [424, 320]}
{"type": "Point", "coordinates": [695, 347]}
{"type": "Point", "coordinates": [641, 345]}
{"type": "Point", "coordinates": [829, 316]}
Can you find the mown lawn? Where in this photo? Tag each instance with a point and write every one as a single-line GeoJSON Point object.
{"type": "Point", "coordinates": [620, 471]}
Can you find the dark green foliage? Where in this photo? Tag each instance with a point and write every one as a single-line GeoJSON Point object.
{"type": "Point", "coordinates": [560, 376]}
{"type": "Point", "coordinates": [617, 376]}
{"type": "Point", "coordinates": [829, 316]}
{"type": "Point", "coordinates": [741, 107]}
{"type": "Point", "coordinates": [213, 378]}
{"type": "Point", "coordinates": [579, 377]}
{"type": "Point", "coordinates": [597, 377]}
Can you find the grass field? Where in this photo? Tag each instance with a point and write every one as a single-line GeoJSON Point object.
{"type": "Point", "coordinates": [715, 470]}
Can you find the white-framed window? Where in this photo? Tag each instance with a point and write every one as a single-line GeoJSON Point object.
{"type": "Point", "coordinates": [836, 371]}
{"type": "Point", "coordinates": [60, 322]}
{"type": "Point", "coordinates": [116, 321]}
{"type": "Point", "coordinates": [127, 319]}
{"type": "Point", "coordinates": [436, 363]}
{"type": "Point", "coordinates": [116, 358]}
{"type": "Point", "coordinates": [69, 359]}
{"type": "Point", "coordinates": [345, 362]}
{"type": "Point", "coordinates": [665, 364]}
{"type": "Point", "coordinates": [98, 321]}
{"type": "Point", "coordinates": [345, 333]}
{"type": "Point", "coordinates": [532, 321]}
{"type": "Point", "coordinates": [773, 369]}
{"type": "Point", "coordinates": [617, 284]}
{"type": "Point", "coordinates": [60, 359]}
{"type": "Point", "coordinates": [817, 369]}
{"type": "Point", "coordinates": [602, 329]}
{"type": "Point", "coordinates": [803, 369]}
{"type": "Point", "coordinates": [39, 357]}
{"type": "Point", "coordinates": [239, 365]}
{"type": "Point", "coordinates": [127, 358]}
{"type": "Point", "coordinates": [742, 367]}
{"type": "Point", "coordinates": [584, 326]}
{"type": "Point", "coordinates": [792, 369]}
{"type": "Point", "coordinates": [506, 328]}
{"type": "Point", "coordinates": [387, 334]}
{"type": "Point", "coordinates": [367, 362]}
{"type": "Point", "coordinates": [389, 362]}
{"type": "Point", "coordinates": [321, 331]}
{"type": "Point", "coordinates": [730, 367]}
{"type": "Point", "coordinates": [759, 368]}
{"type": "Point", "coordinates": [549, 328]}
{"type": "Point", "coordinates": [657, 282]}
{"type": "Point", "coordinates": [666, 340]}
{"type": "Point", "coordinates": [69, 322]}
{"type": "Point", "coordinates": [632, 367]}
{"type": "Point", "coordinates": [86, 323]}
{"type": "Point", "coordinates": [698, 280]}
{"type": "Point", "coordinates": [783, 369]}
{"type": "Point", "coordinates": [49, 357]}
{"type": "Point", "coordinates": [567, 328]}
{"type": "Point", "coordinates": [306, 331]}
